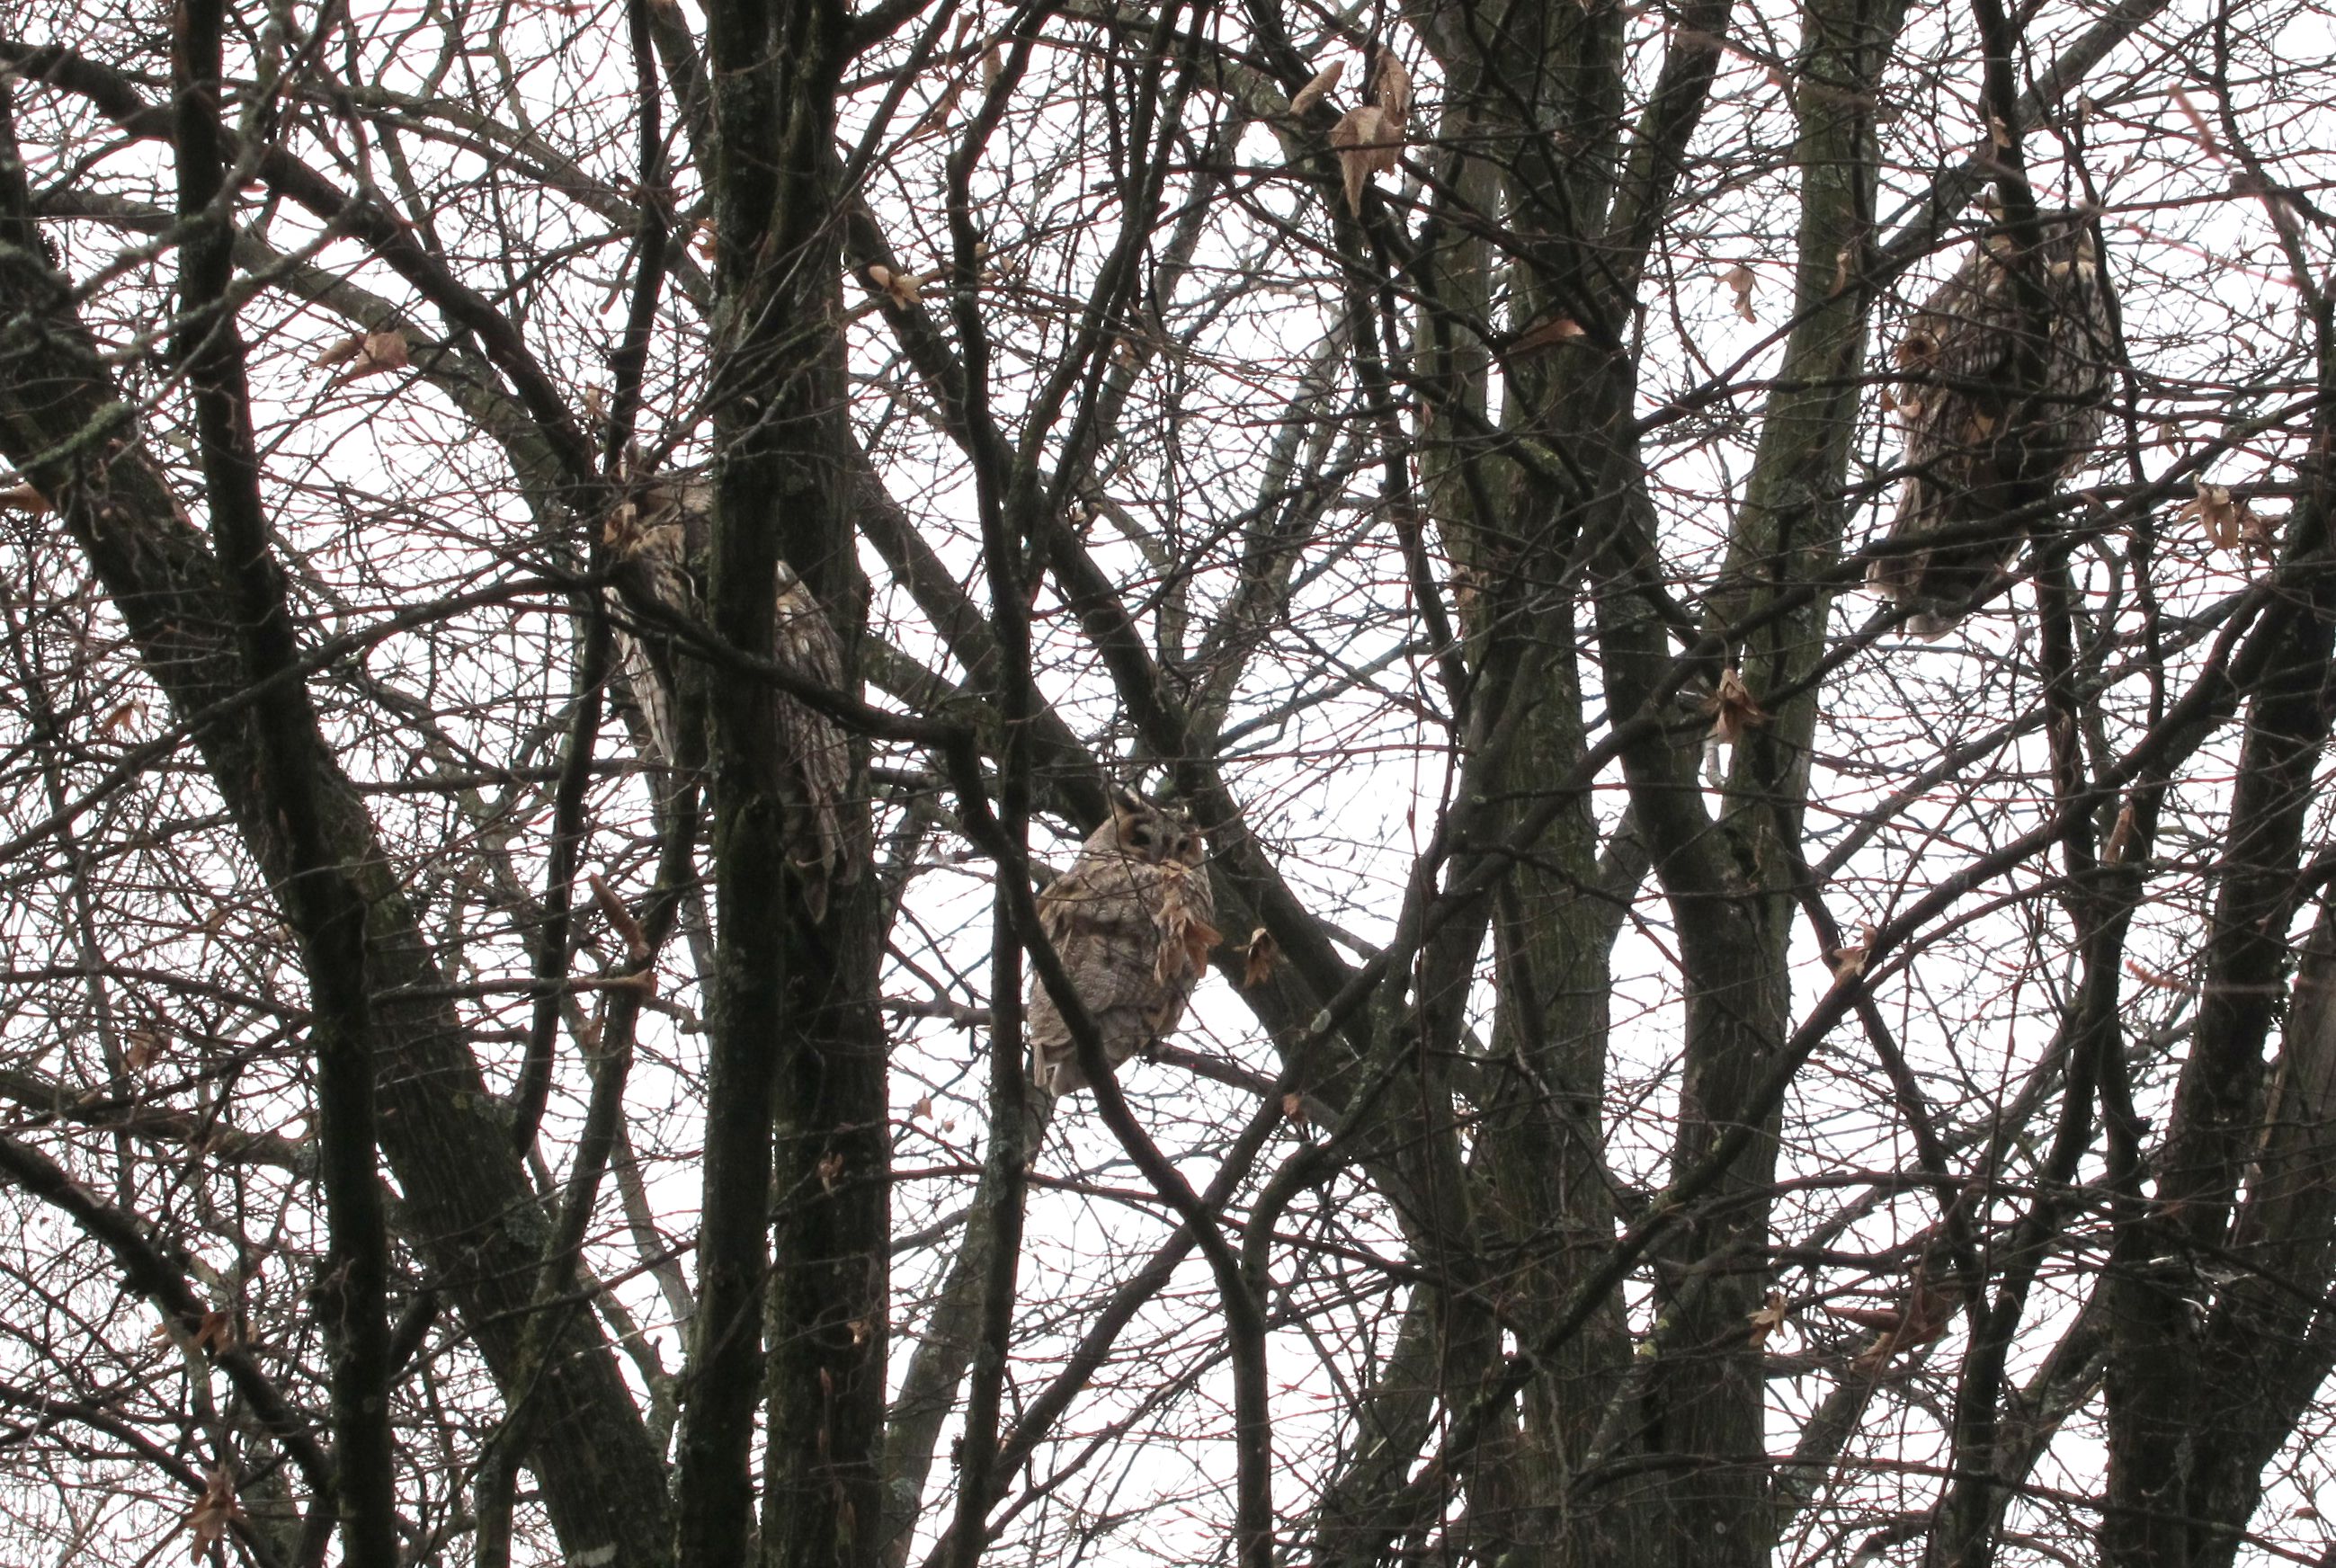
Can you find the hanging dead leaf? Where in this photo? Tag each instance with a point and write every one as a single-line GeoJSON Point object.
{"type": "Point", "coordinates": [1314, 92]}
{"type": "Point", "coordinates": [216, 1331]}
{"type": "Point", "coordinates": [936, 117]}
{"type": "Point", "coordinates": [1547, 332]}
{"type": "Point", "coordinates": [830, 1166]}
{"type": "Point", "coordinates": [620, 920]}
{"type": "Point", "coordinates": [1391, 89]}
{"type": "Point", "coordinates": [1740, 281]}
{"type": "Point", "coordinates": [2120, 837]}
{"type": "Point", "coordinates": [1264, 953]}
{"type": "Point", "coordinates": [993, 66]}
{"type": "Point", "coordinates": [122, 718]}
{"type": "Point", "coordinates": [2163, 982]}
{"type": "Point", "coordinates": [921, 1109]}
{"type": "Point", "coordinates": [2220, 517]}
{"type": "Point", "coordinates": [383, 351]}
{"type": "Point", "coordinates": [1848, 960]}
{"type": "Point", "coordinates": [214, 1513]}
{"type": "Point", "coordinates": [365, 353]}
{"type": "Point", "coordinates": [142, 1048]}
{"type": "Point", "coordinates": [1982, 426]}
{"type": "Point", "coordinates": [1928, 1311]}
{"type": "Point", "coordinates": [23, 498]}
{"type": "Point", "coordinates": [1367, 143]}
{"type": "Point", "coordinates": [1768, 1319]}
{"type": "Point", "coordinates": [1293, 1108]}
{"type": "Point", "coordinates": [1731, 707]}
{"type": "Point", "coordinates": [2256, 536]}
{"type": "Point", "coordinates": [901, 288]}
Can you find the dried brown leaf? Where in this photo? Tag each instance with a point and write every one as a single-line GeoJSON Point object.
{"type": "Point", "coordinates": [993, 66]}
{"type": "Point", "coordinates": [1262, 953]}
{"type": "Point", "coordinates": [216, 1331]}
{"type": "Point", "coordinates": [374, 353]}
{"type": "Point", "coordinates": [1546, 333]}
{"type": "Point", "coordinates": [2256, 536]}
{"type": "Point", "coordinates": [1314, 92]}
{"type": "Point", "coordinates": [23, 498]}
{"type": "Point", "coordinates": [1732, 709]}
{"type": "Point", "coordinates": [1391, 89]}
{"type": "Point", "coordinates": [936, 117]}
{"type": "Point", "coordinates": [620, 920]}
{"type": "Point", "coordinates": [214, 1513]}
{"type": "Point", "coordinates": [2120, 837]}
{"type": "Point", "coordinates": [145, 1047]}
{"type": "Point", "coordinates": [1848, 960]}
{"type": "Point", "coordinates": [1293, 1108]}
{"type": "Point", "coordinates": [1740, 281]}
{"type": "Point", "coordinates": [1768, 1319]}
{"type": "Point", "coordinates": [2220, 517]}
{"type": "Point", "coordinates": [901, 288]}
{"type": "Point", "coordinates": [1367, 143]}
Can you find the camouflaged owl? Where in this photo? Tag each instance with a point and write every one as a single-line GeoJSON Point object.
{"type": "Point", "coordinates": [662, 533]}
{"type": "Point", "coordinates": [2005, 375]}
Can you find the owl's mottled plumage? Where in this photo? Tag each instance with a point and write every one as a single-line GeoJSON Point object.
{"type": "Point", "coordinates": [1129, 922]}
{"type": "Point", "coordinates": [661, 532]}
{"type": "Point", "coordinates": [2000, 402]}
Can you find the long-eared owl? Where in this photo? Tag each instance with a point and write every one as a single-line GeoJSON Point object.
{"type": "Point", "coordinates": [1130, 920]}
{"type": "Point", "coordinates": [2005, 372]}
{"type": "Point", "coordinates": [663, 533]}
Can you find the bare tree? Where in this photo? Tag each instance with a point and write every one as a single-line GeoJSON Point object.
{"type": "Point", "coordinates": [573, 572]}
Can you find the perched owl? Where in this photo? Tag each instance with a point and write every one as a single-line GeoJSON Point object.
{"type": "Point", "coordinates": [1130, 920]}
{"type": "Point", "coordinates": [1980, 447]}
{"type": "Point", "coordinates": [662, 532]}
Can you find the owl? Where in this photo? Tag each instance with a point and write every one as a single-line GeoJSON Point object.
{"type": "Point", "coordinates": [1984, 440]}
{"type": "Point", "coordinates": [661, 533]}
{"type": "Point", "coordinates": [1129, 922]}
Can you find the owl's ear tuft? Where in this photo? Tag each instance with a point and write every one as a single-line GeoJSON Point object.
{"type": "Point", "coordinates": [1126, 803]}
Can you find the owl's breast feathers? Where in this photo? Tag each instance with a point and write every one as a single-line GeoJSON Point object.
{"type": "Point", "coordinates": [1133, 938]}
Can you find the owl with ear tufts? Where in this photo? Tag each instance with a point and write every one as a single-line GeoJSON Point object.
{"type": "Point", "coordinates": [661, 535]}
{"type": "Point", "coordinates": [1130, 920]}
{"type": "Point", "coordinates": [2005, 375]}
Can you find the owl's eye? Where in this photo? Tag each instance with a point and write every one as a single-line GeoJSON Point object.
{"type": "Point", "coordinates": [1140, 837]}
